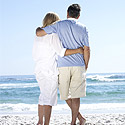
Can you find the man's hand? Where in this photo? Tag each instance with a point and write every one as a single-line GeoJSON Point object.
{"type": "Point", "coordinates": [86, 67]}
{"type": "Point", "coordinates": [86, 56]}
{"type": "Point", "coordinates": [81, 50]}
{"type": "Point", "coordinates": [40, 32]}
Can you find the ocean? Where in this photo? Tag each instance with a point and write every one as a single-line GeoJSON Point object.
{"type": "Point", "coordinates": [105, 94]}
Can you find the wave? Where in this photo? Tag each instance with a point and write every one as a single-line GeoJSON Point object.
{"type": "Point", "coordinates": [106, 78]}
{"type": "Point", "coordinates": [63, 108]}
{"type": "Point", "coordinates": [21, 85]}
{"type": "Point", "coordinates": [20, 107]}
{"type": "Point", "coordinates": [90, 78]}
{"type": "Point", "coordinates": [18, 79]}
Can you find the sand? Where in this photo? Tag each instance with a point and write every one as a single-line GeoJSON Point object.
{"type": "Point", "coordinates": [63, 119]}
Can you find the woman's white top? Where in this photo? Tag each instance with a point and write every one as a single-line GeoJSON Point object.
{"type": "Point", "coordinates": [45, 51]}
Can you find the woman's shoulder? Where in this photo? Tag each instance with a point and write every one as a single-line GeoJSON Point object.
{"type": "Point", "coordinates": [47, 36]}
{"type": "Point", "coordinates": [54, 34]}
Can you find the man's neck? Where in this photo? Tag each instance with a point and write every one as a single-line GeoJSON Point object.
{"type": "Point", "coordinates": [70, 17]}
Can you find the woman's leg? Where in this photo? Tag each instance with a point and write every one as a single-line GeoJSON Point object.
{"type": "Point", "coordinates": [40, 114]}
{"type": "Point", "coordinates": [47, 114]}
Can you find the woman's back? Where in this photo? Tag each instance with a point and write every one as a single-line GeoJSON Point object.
{"type": "Point", "coordinates": [45, 51]}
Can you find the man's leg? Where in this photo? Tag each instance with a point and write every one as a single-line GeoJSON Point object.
{"type": "Point", "coordinates": [75, 109]}
{"type": "Point", "coordinates": [47, 113]}
{"type": "Point", "coordinates": [77, 89]}
{"type": "Point", "coordinates": [40, 114]}
{"type": "Point", "coordinates": [81, 119]}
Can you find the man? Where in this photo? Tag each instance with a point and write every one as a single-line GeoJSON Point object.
{"type": "Point", "coordinates": [72, 69]}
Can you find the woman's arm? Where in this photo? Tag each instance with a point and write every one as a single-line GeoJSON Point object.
{"type": "Point", "coordinates": [60, 50]}
{"type": "Point", "coordinates": [74, 51]}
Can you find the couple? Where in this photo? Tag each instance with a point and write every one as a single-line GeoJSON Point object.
{"type": "Point", "coordinates": [66, 39]}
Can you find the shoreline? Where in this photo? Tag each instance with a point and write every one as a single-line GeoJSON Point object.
{"type": "Point", "coordinates": [63, 119]}
{"type": "Point", "coordinates": [94, 108]}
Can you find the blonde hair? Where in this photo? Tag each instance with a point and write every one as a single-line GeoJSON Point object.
{"type": "Point", "coordinates": [50, 18]}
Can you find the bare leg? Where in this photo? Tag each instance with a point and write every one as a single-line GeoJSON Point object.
{"type": "Point", "coordinates": [75, 109]}
{"type": "Point", "coordinates": [81, 119]}
{"type": "Point", "coordinates": [69, 102]}
{"type": "Point", "coordinates": [40, 114]}
{"type": "Point", "coordinates": [47, 113]}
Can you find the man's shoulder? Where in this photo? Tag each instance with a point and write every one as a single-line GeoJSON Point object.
{"type": "Point", "coordinates": [63, 24]}
{"type": "Point", "coordinates": [81, 24]}
{"type": "Point", "coordinates": [74, 22]}
{"type": "Point", "coordinates": [63, 21]}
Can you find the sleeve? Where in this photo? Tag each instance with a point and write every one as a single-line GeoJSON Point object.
{"type": "Point", "coordinates": [34, 49]}
{"type": "Point", "coordinates": [51, 28]}
{"type": "Point", "coordinates": [57, 45]}
{"type": "Point", "coordinates": [85, 37]}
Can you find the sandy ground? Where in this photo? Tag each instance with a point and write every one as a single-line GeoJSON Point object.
{"type": "Point", "coordinates": [93, 119]}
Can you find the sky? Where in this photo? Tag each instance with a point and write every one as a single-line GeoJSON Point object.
{"type": "Point", "coordinates": [105, 20]}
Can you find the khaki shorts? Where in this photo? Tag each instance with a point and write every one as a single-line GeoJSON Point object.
{"type": "Point", "coordinates": [72, 82]}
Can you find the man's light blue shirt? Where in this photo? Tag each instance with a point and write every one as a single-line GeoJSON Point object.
{"type": "Point", "coordinates": [73, 35]}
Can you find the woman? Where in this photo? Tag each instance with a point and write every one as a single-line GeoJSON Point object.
{"type": "Point", "coordinates": [45, 51]}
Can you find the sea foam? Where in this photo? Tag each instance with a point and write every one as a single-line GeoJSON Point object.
{"type": "Point", "coordinates": [64, 109]}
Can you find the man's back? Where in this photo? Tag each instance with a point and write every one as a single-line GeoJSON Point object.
{"type": "Point", "coordinates": [72, 35]}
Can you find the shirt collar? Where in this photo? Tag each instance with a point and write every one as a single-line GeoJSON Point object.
{"type": "Point", "coordinates": [72, 19]}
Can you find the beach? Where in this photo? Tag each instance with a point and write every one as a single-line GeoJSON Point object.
{"type": "Point", "coordinates": [104, 103]}
{"type": "Point", "coordinates": [61, 119]}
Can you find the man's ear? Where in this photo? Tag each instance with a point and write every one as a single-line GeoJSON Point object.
{"type": "Point", "coordinates": [67, 14]}
{"type": "Point", "coordinates": [78, 16]}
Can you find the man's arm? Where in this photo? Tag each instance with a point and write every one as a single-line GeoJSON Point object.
{"type": "Point", "coordinates": [86, 56]}
{"type": "Point", "coordinates": [40, 32]}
